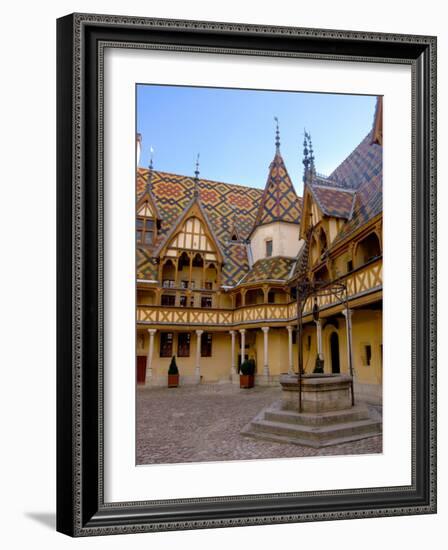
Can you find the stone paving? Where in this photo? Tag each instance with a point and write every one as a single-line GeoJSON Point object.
{"type": "Point", "coordinates": [203, 423]}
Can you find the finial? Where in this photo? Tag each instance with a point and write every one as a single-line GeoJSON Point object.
{"type": "Point", "coordinates": [312, 167]}
{"type": "Point", "coordinates": [277, 135]}
{"type": "Point", "coordinates": [196, 177]}
{"type": "Point", "coordinates": [151, 155]}
{"type": "Point", "coordinates": [306, 160]}
{"type": "Point", "coordinates": [150, 167]}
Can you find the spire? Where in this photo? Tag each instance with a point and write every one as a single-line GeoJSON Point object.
{"type": "Point", "coordinates": [196, 178]}
{"type": "Point", "coordinates": [312, 167]}
{"type": "Point", "coordinates": [150, 168]}
{"type": "Point", "coordinates": [277, 136]}
{"type": "Point", "coordinates": [279, 202]}
{"type": "Point", "coordinates": [308, 157]}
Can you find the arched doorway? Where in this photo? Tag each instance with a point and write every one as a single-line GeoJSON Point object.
{"type": "Point", "coordinates": [334, 349]}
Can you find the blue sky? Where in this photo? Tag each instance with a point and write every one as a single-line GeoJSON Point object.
{"type": "Point", "coordinates": [234, 130]}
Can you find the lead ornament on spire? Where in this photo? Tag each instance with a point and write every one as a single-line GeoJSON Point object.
{"type": "Point", "coordinates": [196, 178]}
{"type": "Point", "coordinates": [277, 136]}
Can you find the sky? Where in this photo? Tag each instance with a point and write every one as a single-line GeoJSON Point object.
{"type": "Point", "coordinates": [234, 130]}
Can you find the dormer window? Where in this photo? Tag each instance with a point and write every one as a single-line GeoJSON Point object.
{"type": "Point", "coordinates": [145, 231]}
{"type": "Point", "coordinates": [268, 249]}
{"type": "Point", "coordinates": [146, 225]}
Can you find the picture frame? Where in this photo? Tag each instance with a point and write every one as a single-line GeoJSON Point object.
{"type": "Point", "coordinates": [81, 507]}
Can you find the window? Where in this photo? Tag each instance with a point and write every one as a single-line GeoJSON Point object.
{"type": "Point", "coordinates": [349, 266]}
{"type": "Point", "coordinates": [206, 301]}
{"type": "Point", "coordinates": [206, 344]}
{"type": "Point", "coordinates": [145, 231]}
{"type": "Point", "coordinates": [183, 301]}
{"type": "Point", "coordinates": [268, 248]}
{"type": "Point", "coordinates": [323, 241]}
{"type": "Point", "coordinates": [166, 344]}
{"type": "Point", "coordinates": [168, 300]}
{"type": "Point", "coordinates": [183, 344]}
{"type": "Point", "coordinates": [367, 348]}
{"type": "Point", "coordinates": [184, 284]}
{"type": "Point", "coordinates": [271, 297]}
{"type": "Point", "coordinates": [208, 285]}
{"type": "Point", "coordinates": [368, 249]}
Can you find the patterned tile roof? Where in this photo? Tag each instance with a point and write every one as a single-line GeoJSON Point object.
{"type": "Point", "coordinates": [221, 202]}
{"type": "Point", "coordinates": [279, 201]}
{"type": "Point", "coordinates": [333, 201]}
{"type": "Point", "coordinates": [363, 171]}
{"type": "Point", "coordinates": [276, 268]}
{"type": "Point", "coordinates": [353, 191]}
{"type": "Point", "coordinates": [364, 163]}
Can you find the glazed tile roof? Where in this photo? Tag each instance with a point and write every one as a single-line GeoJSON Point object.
{"type": "Point", "coordinates": [362, 170]}
{"type": "Point", "coordinates": [276, 268]}
{"type": "Point", "coordinates": [221, 202]}
{"type": "Point", "coordinates": [363, 164]}
{"type": "Point", "coordinates": [333, 201]}
{"type": "Point", "coordinates": [279, 201]}
{"type": "Point", "coordinates": [353, 191]}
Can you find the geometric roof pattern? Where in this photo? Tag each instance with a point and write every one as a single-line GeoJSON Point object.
{"type": "Point", "coordinates": [221, 202]}
{"type": "Point", "coordinates": [353, 191]}
{"type": "Point", "coordinates": [333, 201]}
{"type": "Point", "coordinates": [363, 171]}
{"type": "Point", "coordinates": [276, 268]}
{"type": "Point", "coordinates": [279, 201]}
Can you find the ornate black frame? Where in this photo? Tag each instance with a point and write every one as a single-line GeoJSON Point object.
{"type": "Point", "coordinates": [81, 510]}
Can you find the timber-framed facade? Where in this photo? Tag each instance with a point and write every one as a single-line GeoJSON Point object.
{"type": "Point", "coordinates": [218, 264]}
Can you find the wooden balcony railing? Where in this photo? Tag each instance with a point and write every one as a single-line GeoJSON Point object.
{"type": "Point", "coordinates": [361, 281]}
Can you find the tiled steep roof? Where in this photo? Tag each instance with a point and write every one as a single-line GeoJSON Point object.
{"type": "Point", "coordinates": [333, 201]}
{"type": "Point", "coordinates": [221, 202]}
{"type": "Point", "coordinates": [276, 268]}
{"type": "Point", "coordinates": [279, 201]}
{"type": "Point", "coordinates": [364, 163]}
{"type": "Point", "coordinates": [363, 171]}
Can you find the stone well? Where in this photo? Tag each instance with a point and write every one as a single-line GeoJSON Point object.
{"type": "Point", "coordinates": [320, 392]}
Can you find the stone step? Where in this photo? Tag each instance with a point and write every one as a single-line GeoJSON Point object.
{"type": "Point", "coordinates": [317, 435]}
{"type": "Point", "coordinates": [265, 436]}
{"type": "Point", "coordinates": [323, 419]}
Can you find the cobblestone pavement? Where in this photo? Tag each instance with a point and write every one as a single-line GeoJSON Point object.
{"type": "Point", "coordinates": [203, 423]}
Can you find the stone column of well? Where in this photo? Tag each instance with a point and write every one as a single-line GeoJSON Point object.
{"type": "Point", "coordinates": [243, 344]}
{"type": "Point", "coordinates": [348, 324]}
{"type": "Point", "coordinates": [290, 328]}
{"type": "Point", "coordinates": [151, 332]}
{"type": "Point", "coordinates": [265, 352]}
{"type": "Point", "coordinates": [233, 362]}
{"type": "Point", "coordinates": [198, 355]}
{"type": "Point", "coordinates": [319, 338]}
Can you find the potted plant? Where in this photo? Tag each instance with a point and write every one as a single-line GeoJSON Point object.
{"type": "Point", "coordinates": [247, 373]}
{"type": "Point", "coordinates": [173, 374]}
{"type": "Point", "coordinates": [319, 366]}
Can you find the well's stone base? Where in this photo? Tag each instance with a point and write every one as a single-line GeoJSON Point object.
{"type": "Point", "coordinates": [320, 392]}
{"type": "Point", "coordinates": [312, 430]}
{"type": "Point", "coordinates": [327, 416]}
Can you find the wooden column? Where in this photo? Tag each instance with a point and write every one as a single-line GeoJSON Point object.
{"type": "Point", "coordinates": [265, 351]}
{"type": "Point", "coordinates": [290, 328]}
{"type": "Point", "coordinates": [151, 332]}
{"type": "Point", "coordinates": [233, 360]}
{"type": "Point", "coordinates": [243, 344]}
{"type": "Point", "coordinates": [198, 355]}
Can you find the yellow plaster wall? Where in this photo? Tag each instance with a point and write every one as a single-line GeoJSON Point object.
{"type": "Point", "coordinates": [214, 368]}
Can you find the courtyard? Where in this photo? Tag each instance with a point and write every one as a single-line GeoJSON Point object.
{"type": "Point", "coordinates": [203, 423]}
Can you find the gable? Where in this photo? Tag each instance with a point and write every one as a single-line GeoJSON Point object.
{"type": "Point", "coordinates": [193, 236]}
{"type": "Point", "coordinates": [145, 210]}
